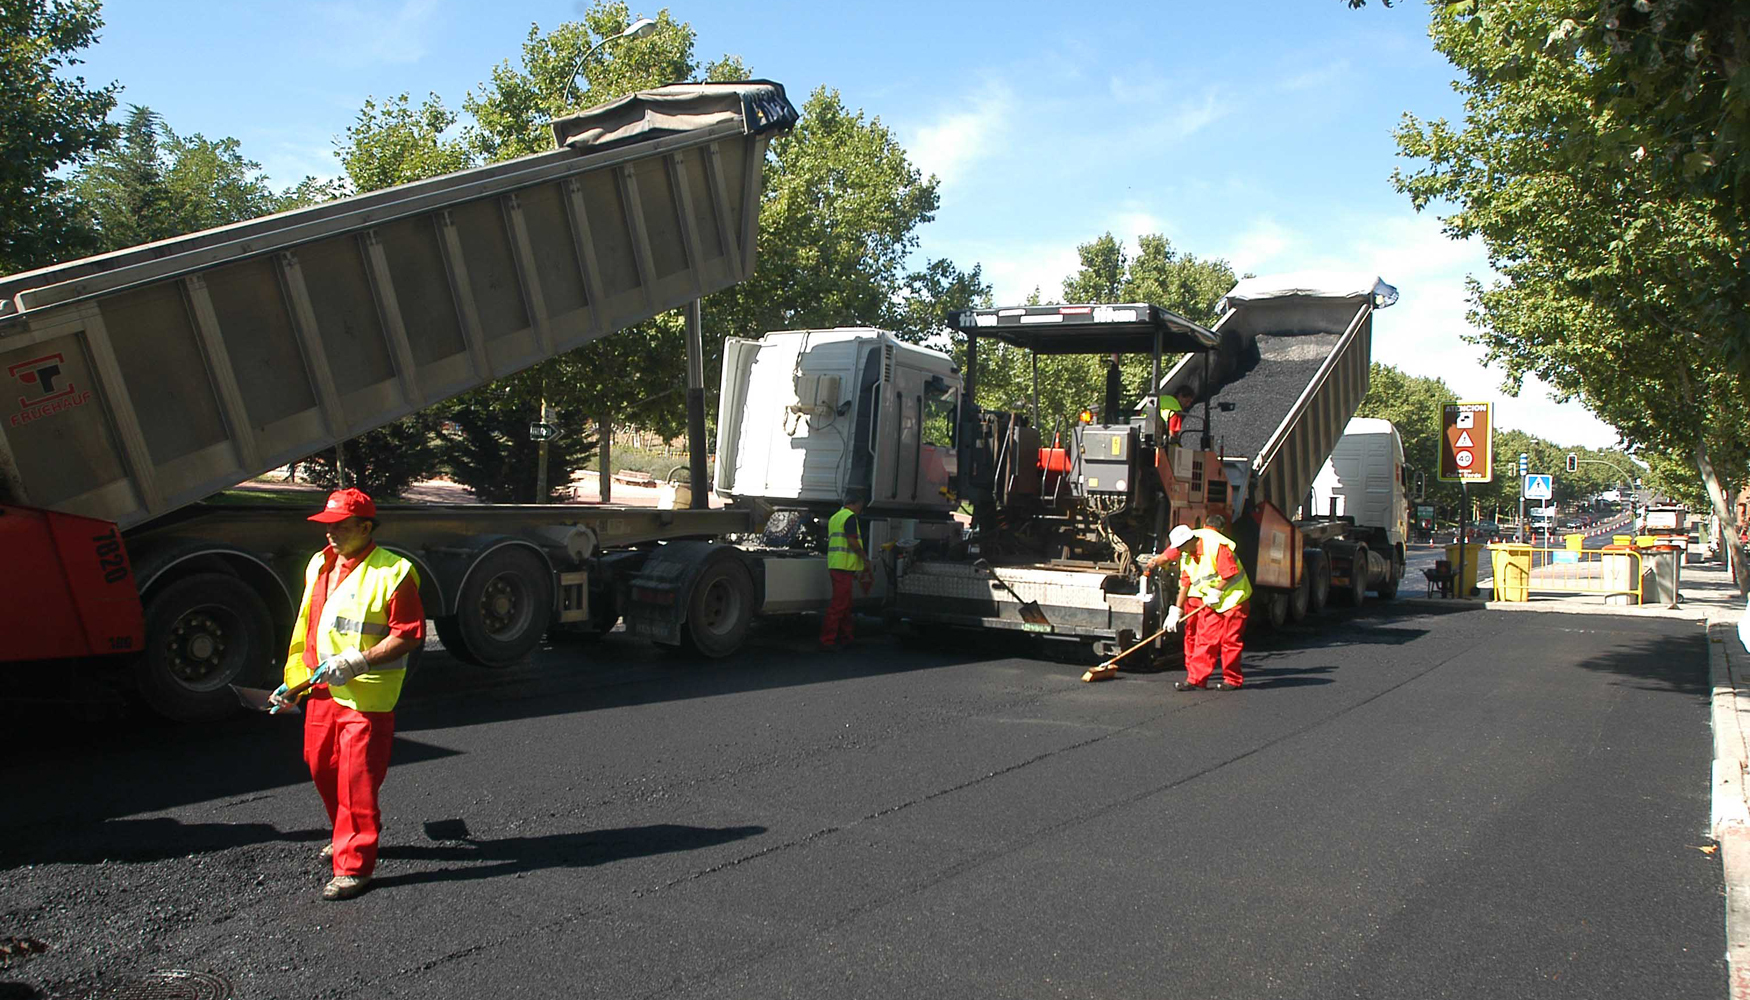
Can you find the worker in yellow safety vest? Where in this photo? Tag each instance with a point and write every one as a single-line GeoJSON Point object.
{"type": "Point", "coordinates": [846, 562]}
{"type": "Point", "coordinates": [360, 618]}
{"type": "Point", "coordinates": [1211, 579]}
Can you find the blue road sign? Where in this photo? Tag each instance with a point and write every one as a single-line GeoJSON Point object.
{"type": "Point", "coordinates": [1539, 487]}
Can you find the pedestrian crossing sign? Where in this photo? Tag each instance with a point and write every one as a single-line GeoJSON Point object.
{"type": "Point", "coordinates": [1539, 488]}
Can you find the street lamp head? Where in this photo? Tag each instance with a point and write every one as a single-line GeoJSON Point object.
{"type": "Point", "coordinates": [640, 28]}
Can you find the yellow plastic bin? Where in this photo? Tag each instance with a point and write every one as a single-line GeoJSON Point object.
{"type": "Point", "coordinates": [1575, 543]}
{"type": "Point", "coordinates": [1473, 552]}
{"type": "Point", "coordinates": [1512, 568]}
{"type": "Point", "coordinates": [1622, 539]}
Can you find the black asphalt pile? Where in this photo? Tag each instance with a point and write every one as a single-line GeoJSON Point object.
{"type": "Point", "coordinates": [1263, 397]}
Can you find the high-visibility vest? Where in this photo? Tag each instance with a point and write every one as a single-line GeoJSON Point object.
{"type": "Point", "coordinates": [355, 616]}
{"type": "Point", "coordinates": [839, 554]}
{"type": "Point", "coordinates": [1206, 582]}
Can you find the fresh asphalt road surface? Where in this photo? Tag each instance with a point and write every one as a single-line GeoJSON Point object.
{"type": "Point", "coordinates": [1417, 799]}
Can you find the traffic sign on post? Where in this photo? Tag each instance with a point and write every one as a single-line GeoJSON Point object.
{"type": "Point", "coordinates": [1539, 488]}
{"type": "Point", "coordinates": [1467, 443]}
{"type": "Point", "coordinates": [543, 432]}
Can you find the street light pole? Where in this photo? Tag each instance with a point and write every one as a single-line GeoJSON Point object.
{"type": "Point", "coordinates": [637, 29]}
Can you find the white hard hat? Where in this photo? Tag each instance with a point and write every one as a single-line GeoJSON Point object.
{"type": "Point", "coordinates": [1179, 536]}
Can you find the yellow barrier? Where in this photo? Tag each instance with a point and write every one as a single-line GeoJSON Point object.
{"type": "Point", "coordinates": [1521, 570]}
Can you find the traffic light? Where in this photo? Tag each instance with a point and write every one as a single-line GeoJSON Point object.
{"type": "Point", "coordinates": [1573, 462]}
{"type": "Point", "coordinates": [1421, 485]}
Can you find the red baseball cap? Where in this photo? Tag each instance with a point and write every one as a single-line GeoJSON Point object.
{"type": "Point", "coordinates": [343, 504]}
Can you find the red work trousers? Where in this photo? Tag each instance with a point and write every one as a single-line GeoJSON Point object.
{"type": "Point", "coordinates": [836, 626]}
{"type": "Point", "coordinates": [1212, 638]}
{"type": "Point", "coordinates": [348, 754]}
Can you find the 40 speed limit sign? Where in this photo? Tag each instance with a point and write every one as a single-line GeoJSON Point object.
{"type": "Point", "coordinates": [1467, 442]}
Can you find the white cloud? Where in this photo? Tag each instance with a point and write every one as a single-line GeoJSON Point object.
{"type": "Point", "coordinates": [1138, 90]}
{"type": "Point", "coordinates": [1311, 79]}
{"type": "Point", "coordinates": [1189, 117]}
{"type": "Point", "coordinates": [1259, 245]}
{"type": "Point", "coordinates": [949, 146]}
{"type": "Point", "coordinates": [1015, 271]}
{"type": "Point", "coordinates": [363, 32]}
{"type": "Point", "coordinates": [1424, 333]}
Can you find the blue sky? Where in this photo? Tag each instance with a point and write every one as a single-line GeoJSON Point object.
{"type": "Point", "coordinates": [1255, 131]}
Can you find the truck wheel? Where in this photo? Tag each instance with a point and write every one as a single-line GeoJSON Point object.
{"type": "Point", "coordinates": [1271, 608]}
{"type": "Point", "coordinates": [1356, 594]}
{"type": "Point", "coordinates": [1318, 572]}
{"type": "Point", "coordinates": [1300, 598]}
{"type": "Point", "coordinates": [1388, 589]}
{"type": "Point", "coordinates": [450, 634]}
{"type": "Point", "coordinates": [504, 608]}
{"type": "Point", "coordinates": [719, 610]}
{"type": "Point", "coordinates": [204, 632]}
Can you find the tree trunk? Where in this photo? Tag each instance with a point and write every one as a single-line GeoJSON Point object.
{"type": "Point", "coordinates": [1727, 514]}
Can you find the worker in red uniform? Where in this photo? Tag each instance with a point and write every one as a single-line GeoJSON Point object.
{"type": "Point", "coordinates": [1211, 578]}
{"type": "Point", "coordinates": [847, 562]}
{"type": "Point", "coordinates": [360, 618]}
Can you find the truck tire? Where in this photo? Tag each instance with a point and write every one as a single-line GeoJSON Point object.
{"type": "Point", "coordinates": [720, 609]}
{"type": "Point", "coordinates": [450, 634]}
{"type": "Point", "coordinates": [1355, 595]}
{"type": "Point", "coordinates": [1270, 608]}
{"type": "Point", "coordinates": [203, 633]}
{"type": "Point", "coordinates": [1300, 598]}
{"type": "Point", "coordinates": [1394, 572]}
{"type": "Point", "coordinates": [504, 607]}
{"type": "Point", "coordinates": [1318, 572]}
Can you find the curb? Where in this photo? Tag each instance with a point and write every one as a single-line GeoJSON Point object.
{"type": "Point", "coordinates": [1730, 814]}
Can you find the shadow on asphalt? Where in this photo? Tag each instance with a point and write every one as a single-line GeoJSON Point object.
{"type": "Point", "coordinates": [1674, 662]}
{"type": "Point", "coordinates": [585, 849]}
{"type": "Point", "coordinates": [136, 841]}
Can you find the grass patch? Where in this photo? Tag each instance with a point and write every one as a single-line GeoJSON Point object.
{"type": "Point", "coordinates": [280, 498]}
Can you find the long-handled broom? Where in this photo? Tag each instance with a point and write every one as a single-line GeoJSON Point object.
{"type": "Point", "coordinates": [1108, 669]}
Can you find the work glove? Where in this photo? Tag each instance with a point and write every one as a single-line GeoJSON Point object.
{"type": "Point", "coordinates": [1173, 614]}
{"type": "Point", "coordinates": [341, 668]}
{"type": "Point", "coordinates": [867, 581]}
{"type": "Point", "coordinates": [280, 699]}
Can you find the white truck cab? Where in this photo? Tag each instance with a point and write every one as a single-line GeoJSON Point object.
{"type": "Point", "coordinates": [1364, 479]}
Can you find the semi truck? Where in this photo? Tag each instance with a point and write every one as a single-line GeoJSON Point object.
{"type": "Point", "coordinates": [145, 380]}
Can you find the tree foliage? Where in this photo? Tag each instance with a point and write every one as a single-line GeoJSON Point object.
{"type": "Point", "coordinates": [1595, 164]}
{"type": "Point", "coordinates": [50, 120]}
{"type": "Point", "coordinates": [1414, 403]}
{"type": "Point", "coordinates": [1160, 274]}
{"type": "Point", "coordinates": [153, 184]}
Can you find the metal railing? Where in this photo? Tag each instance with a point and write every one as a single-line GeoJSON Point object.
{"type": "Point", "coordinates": [1528, 570]}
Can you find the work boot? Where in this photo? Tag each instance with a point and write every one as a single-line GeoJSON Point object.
{"type": "Point", "coordinates": [1182, 686]}
{"type": "Point", "coordinates": [345, 886]}
{"type": "Point", "coordinates": [327, 851]}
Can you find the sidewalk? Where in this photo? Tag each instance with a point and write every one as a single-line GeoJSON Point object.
{"type": "Point", "coordinates": [1729, 667]}
{"type": "Point", "coordinates": [1705, 591]}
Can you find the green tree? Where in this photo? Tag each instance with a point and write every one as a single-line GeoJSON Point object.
{"type": "Point", "coordinates": [50, 120]}
{"type": "Point", "coordinates": [393, 142]}
{"type": "Point", "coordinates": [1589, 162]}
{"type": "Point", "coordinates": [512, 110]}
{"type": "Point", "coordinates": [1160, 274]}
{"type": "Point", "coordinates": [154, 184]}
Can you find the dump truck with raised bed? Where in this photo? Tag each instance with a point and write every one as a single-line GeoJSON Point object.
{"type": "Point", "coordinates": [145, 380]}
{"type": "Point", "coordinates": [1061, 516]}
